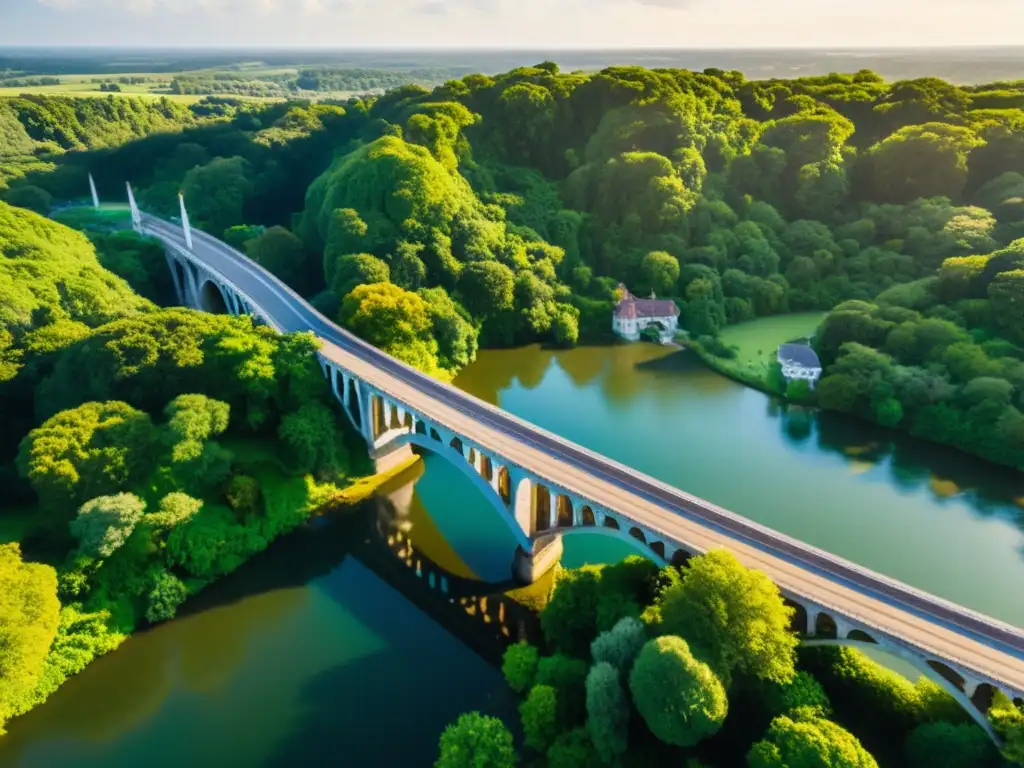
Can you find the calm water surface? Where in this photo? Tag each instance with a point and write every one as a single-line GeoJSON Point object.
{"type": "Point", "coordinates": [330, 649]}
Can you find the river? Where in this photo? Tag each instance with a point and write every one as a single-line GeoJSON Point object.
{"type": "Point", "coordinates": [928, 515]}
{"type": "Point", "coordinates": [329, 649]}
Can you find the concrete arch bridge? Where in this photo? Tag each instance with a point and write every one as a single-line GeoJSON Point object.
{"type": "Point", "coordinates": [545, 487]}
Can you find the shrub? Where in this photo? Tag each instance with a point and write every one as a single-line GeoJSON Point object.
{"type": "Point", "coordinates": [476, 741]}
{"type": "Point", "coordinates": [572, 750]}
{"type": "Point", "coordinates": [520, 666]}
{"type": "Point", "coordinates": [167, 594]}
{"type": "Point", "coordinates": [802, 692]}
{"type": "Point", "coordinates": [607, 712]}
{"type": "Point", "coordinates": [620, 644]}
{"type": "Point", "coordinates": [945, 745]}
{"type": "Point", "coordinates": [805, 741]}
{"type": "Point", "coordinates": [678, 696]}
{"type": "Point", "coordinates": [568, 677]}
{"type": "Point", "coordinates": [540, 717]}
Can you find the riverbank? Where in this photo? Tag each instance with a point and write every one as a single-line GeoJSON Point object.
{"type": "Point", "coordinates": [751, 349]}
{"type": "Point", "coordinates": [85, 635]}
{"type": "Point", "coordinates": [336, 640]}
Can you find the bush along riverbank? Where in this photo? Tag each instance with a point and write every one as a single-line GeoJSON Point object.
{"type": "Point", "coordinates": [147, 452]}
{"type": "Point", "coordinates": [765, 376]}
{"type": "Point", "coordinates": [699, 666]}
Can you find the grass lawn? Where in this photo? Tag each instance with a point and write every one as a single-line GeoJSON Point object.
{"type": "Point", "coordinates": [758, 340]}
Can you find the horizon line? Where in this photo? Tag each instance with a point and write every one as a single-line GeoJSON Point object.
{"type": "Point", "coordinates": [298, 47]}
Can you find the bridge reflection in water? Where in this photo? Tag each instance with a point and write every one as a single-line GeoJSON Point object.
{"type": "Point", "coordinates": [402, 545]}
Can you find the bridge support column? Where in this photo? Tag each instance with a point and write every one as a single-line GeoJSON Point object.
{"type": "Point", "coordinates": [812, 620]}
{"type": "Point", "coordinates": [530, 566]}
{"type": "Point", "coordinates": [179, 289]}
{"type": "Point", "coordinates": [388, 457]}
{"type": "Point", "coordinates": [522, 496]}
{"type": "Point", "coordinates": [365, 396]}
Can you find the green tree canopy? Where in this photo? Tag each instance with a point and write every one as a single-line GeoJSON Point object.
{"type": "Point", "coordinates": [607, 712]}
{"type": "Point", "coordinates": [89, 451]}
{"type": "Point", "coordinates": [921, 161]}
{"type": "Point", "coordinates": [395, 321]}
{"type": "Point", "coordinates": [313, 440]}
{"type": "Point", "coordinates": [353, 270]}
{"type": "Point", "coordinates": [519, 666]}
{"type": "Point", "coordinates": [732, 616]}
{"type": "Point", "coordinates": [540, 717]}
{"type": "Point", "coordinates": [808, 742]}
{"type": "Point", "coordinates": [29, 614]}
{"type": "Point", "coordinates": [215, 193]}
{"type": "Point", "coordinates": [660, 272]}
{"type": "Point", "coordinates": [283, 254]}
{"type": "Point", "coordinates": [476, 741]}
{"type": "Point", "coordinates": [104, 524]}
{"type": "Point", "coordinates": [945, 745]}
{"type": "Point", "coordinates": [679, 697]}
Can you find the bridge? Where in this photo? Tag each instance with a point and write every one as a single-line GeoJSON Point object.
{"type": "Point", "coordinates": [545, 487]}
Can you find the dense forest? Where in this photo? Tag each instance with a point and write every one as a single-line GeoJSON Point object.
{"type": "Point", "coordinates": [520, 201]}
{"type": "Point", "coordinates": [498, 211]}
{"type": "Point", "coordinates": [145, 453]}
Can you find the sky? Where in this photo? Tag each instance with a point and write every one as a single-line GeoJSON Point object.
{"type": "Point", "coordinates": [513, 23]}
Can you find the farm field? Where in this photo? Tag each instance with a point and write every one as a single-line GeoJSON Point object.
{"type": "Point", "coordinates": [88, 84]}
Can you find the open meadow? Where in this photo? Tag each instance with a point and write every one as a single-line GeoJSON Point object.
{"type": "Point", "coordinates": [758, 340]}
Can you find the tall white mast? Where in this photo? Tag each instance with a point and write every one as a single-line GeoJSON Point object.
{"type": "Point", "coordinates": [136, 216]}
{"type": "Point", "coordinates": [184, 221]}
{"type": "Point", "coordinates": [95, 196]}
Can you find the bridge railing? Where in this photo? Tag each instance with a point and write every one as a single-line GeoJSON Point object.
{"type": "Point", "coordinates": [799, 553]}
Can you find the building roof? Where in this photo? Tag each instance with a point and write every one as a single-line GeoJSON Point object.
{"type": "Point", "coordinates": [630, 307]}
{"type": "Point", "coordinates": [799, 354]}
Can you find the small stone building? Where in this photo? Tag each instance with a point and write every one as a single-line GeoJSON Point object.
{"type": "Point", "coordinates": [632, 315]}
{"type": "Point", "coordinates": [799, 361]}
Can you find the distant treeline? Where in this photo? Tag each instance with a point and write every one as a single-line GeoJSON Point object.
{"type": "Point", "coordinates": [28, 82]}
{"type": "Point", "coordinates": [318, 80]}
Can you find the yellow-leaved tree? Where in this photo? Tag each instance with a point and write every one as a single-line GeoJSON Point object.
{"type": "Point", "coordinates": [29, 614]}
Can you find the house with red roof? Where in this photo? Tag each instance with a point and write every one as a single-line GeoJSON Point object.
{"type": "Point", "coordinates": [632, 315]}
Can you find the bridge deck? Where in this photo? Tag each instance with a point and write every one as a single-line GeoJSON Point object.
{"type": "Point", "coordinates": [989, 649]}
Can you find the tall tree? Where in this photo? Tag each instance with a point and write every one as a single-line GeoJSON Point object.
{"type": "Point", "coordinates": [29, 615]}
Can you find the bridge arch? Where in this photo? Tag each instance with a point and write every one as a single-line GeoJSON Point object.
{"type": "Point", "coordinates": [939, 673]}
{"type": "Point", "coordinates": [212, 299]}
{"type": "Point", "coordinates": [458, 460]}
{"type": "Point", "coordinates": [646, 550]}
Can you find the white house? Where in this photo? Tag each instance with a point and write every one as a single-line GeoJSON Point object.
{"type": "Point", "coordinates": [799, 361]}
{"type": "Point", "coordinates": [632, 315]}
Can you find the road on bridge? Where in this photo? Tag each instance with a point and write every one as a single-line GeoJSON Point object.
{"type": "Point", "coordinates": [989, 650]}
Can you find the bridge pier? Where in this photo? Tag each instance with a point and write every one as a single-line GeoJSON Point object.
{"type": "Point", "coordinates": [544, 555]}
{"type": "Point", "coordinates": [390, 456]}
